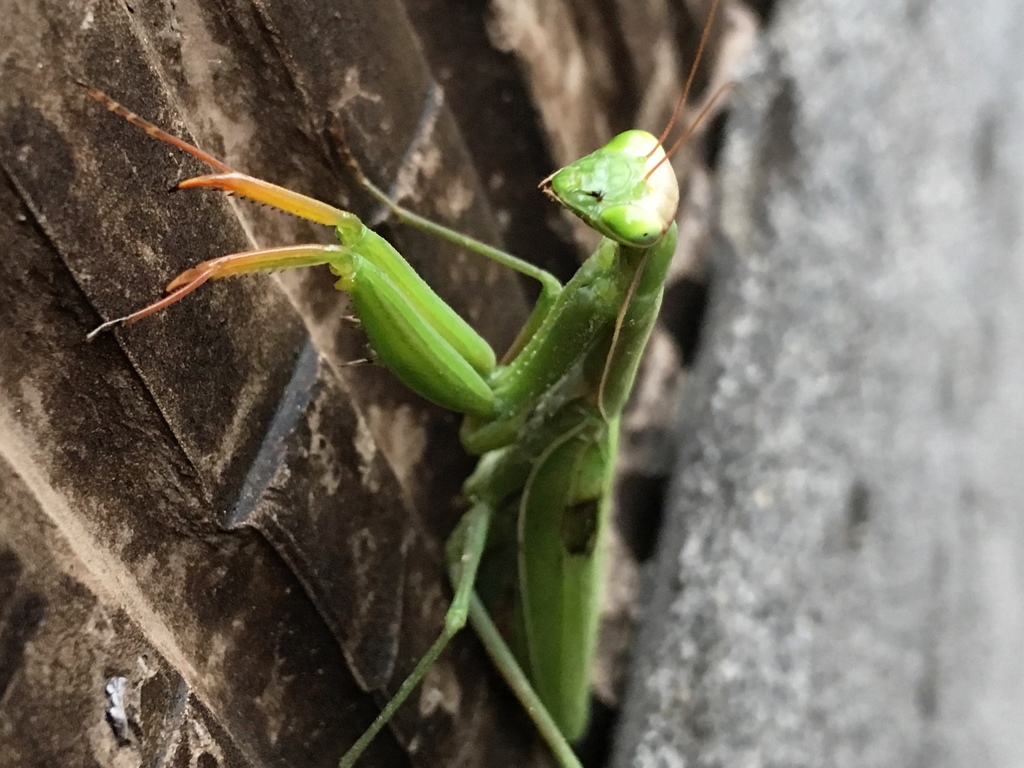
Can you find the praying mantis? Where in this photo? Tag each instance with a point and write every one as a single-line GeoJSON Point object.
{"type": "Point", "coordinates": [525, 561]}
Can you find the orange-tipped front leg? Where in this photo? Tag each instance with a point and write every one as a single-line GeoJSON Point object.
{"type": "Point", "coordinates": [261, 191]}
{"type": "Point", "coordinates": [227, 179]}
{"type": "Point", "coordinates": [226, 266]}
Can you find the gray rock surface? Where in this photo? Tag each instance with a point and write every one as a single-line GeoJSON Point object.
{"type": "Point", "coordinates": [841, 581]}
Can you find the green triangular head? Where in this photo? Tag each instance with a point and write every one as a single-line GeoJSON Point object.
{"type": "Point", "coordinates": [610, 190]}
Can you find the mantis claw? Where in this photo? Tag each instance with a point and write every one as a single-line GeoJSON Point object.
{"type": "Point", "coordinates": [91, 335]}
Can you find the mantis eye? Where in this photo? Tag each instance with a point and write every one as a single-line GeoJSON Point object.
{"type": "Point", "coordinates": [633, 224]}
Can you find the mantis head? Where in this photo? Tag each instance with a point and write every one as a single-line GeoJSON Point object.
{"type": "Point", "coordinates": [625, 190]}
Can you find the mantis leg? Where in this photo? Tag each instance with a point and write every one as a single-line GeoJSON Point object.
{"type": "Point", "coordinates": [466, 548]}
{"type": "Point", "coordinates": [261, 191]}
{"type": "Point", "coordinates": [549, 283]}
{"type": "Point", "coordinates": [471, 537]}
{"type": "Point", "coordinates": [407, 327]}
{"type": "Point", "coordinates": [517, 680]}
{"type": "Point", "coordinates": [225, 266]}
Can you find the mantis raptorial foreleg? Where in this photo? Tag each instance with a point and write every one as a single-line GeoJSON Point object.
{"type": "Point", "coordinates": [181, 286]}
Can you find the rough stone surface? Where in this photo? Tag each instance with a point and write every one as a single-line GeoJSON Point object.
{"type": "Point", "coordinates": [841, 580]}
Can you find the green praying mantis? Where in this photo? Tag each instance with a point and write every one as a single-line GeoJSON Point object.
{"type": "Point", "coordinates": [544, 420]}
